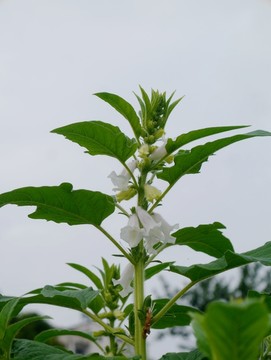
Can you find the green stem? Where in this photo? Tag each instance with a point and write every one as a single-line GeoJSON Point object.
{"type": "Point", "coordinates": [172, 301]}
{"type": "Point", "coordinates": [122, 209]}
{"type": "Point", "coordinates": [128, 256]}
{"type": "Point", "coordinates": [131, 174]}
{"type": "Point", "coordinates": [140, 342]}
{"type": "Point", "coordinates": [109, 328]}
{"type": "Point", "coordinates": [112, 339]}
{"type": "Point", "coordinates": [160, 199]}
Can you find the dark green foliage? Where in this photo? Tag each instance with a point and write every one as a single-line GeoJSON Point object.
{"type": "Point", "coordinates": [62, 204]}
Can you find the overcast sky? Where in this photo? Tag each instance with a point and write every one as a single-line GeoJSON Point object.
{"type": "Point", "coordinates": [54, 54]}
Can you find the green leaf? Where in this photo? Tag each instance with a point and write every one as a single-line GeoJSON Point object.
{"type": "Point", "coordinates": [205, 238]}
{"type": "Point", "coordinates": [153, 270]}
{"type": "Point", "coordinates": [13, 329]}
{"type": "Point", "coordinates": [230, 260]}
{"type": "Point", "coordinates": [193, 355]}
{"type": "Point", "coordinates": [177, 315]}
{"type": "Point", "coordinates": [34, 350]}
{"type": "Point", "coordinates": [190, 161]}
{"type": "Point", "coordinates": [264, 297]}
{"type": "Point", "coordinates": [100, 138]}
{"type": "Point", "coordinates": [124, 108]}
{"type": "Point", "coordinates": [7, 331]}
{"type": "Point", "coordinates": [231, 330]}
{"type": "Point", "coordinates": [92, 277]}
{"type": "Point", "coordinates": [183, 139]}
{"type": "Point", "coordinates": [46, 335]}
{"type": "Point", "coordinates": [83, 297]}
{"type": "Point", "coordinates": [61, 204]}
{"type": "Point", "coordinates": [72, 285]}
{"type": "Point", "coordinates": [6, 315]}
{"type": "Point", "coordinates": [59, 296]}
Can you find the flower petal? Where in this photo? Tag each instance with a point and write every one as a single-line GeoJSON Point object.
{"type": "Point", "coordinates": [132, 233]}
{"type": "Point", "coordinates": [125, 280]}
{"type": "Point", "coordinates": [165, 228]}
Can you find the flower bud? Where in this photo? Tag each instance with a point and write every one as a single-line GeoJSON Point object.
{"type": "Point", "coordinates": [143, 151]}
{"type": "Point", "coordinates": [126, 194]}
{"type": "Point", "coordinates": [151, 192]}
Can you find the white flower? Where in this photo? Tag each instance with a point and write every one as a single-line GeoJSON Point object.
{"type": "Point", "coordinates": [125, 280]}
{"type": "Point", "coordinates": [151, 192]}
{"type": "Point", "coordinates": [159, 153]}
{"type": "Point", "coordinates": [132, 233]}
{"type": "Point", "coordinates": [121, 181]}
{"type": "Point", "coordinates": [166, 228]}
{"type": "Point", "coordinates": [152, 230]}
{"type": "Point", "coordinates": [146, 220]}
{"type": "Point", "coordinates": [154, 236]}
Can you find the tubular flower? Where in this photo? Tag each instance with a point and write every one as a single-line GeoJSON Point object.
{"type": "Point", "coordinates": [125, 280]}
{"type": "Point", "coordinates": [132, 233]}
{"type": "Point", "coordinates": [152, 230]}
{"type": "Point", "coordinates": [166, 228]}
{"type": "Point", "coordinates": [121, 181]}
{"type": "Point", "coordinates": [151, 192]}
{"type": "Point", "coordinates": [159, 153]}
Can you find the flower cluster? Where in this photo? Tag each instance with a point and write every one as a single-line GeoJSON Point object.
{"type": "Point", "coordinates": [153, 229]}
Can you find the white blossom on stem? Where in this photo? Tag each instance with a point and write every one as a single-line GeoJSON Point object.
{"type": "Point", "coordinates": [159, 153]}
{"type": "Point", "coordinates": [125, 280]}
{"type": "Point", "coordinates": [152, 230]}
{"type": "Point", "coordinates": [166, 228]}
{"type": "Point", "coordinates": [121, 181]}
{"type": "Point", "coordinates": [132, 233]}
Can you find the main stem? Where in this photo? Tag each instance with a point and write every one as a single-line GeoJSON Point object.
{"type": "Point", "coordinates": [140, 342]}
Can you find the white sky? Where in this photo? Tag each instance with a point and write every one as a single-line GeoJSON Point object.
{"type": "Point", "coordinates": [54, 54]}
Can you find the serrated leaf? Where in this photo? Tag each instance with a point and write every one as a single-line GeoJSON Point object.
{"type": "Point", "coordinates": [230, 260]}
{"type": "Point", "coordinates": [183, 139]}
{"type": "Point", "coordinates": [153, 270]}
{"type": "Point", "coordinates": [100, 138]}
{"type": "Point", "coordinates": [177, 315]}
{"type": "Point", "coordinates": [231, 330]}
{"type": "Point", "coordinates": [192, 355]}
{"type": "Point", "coordinates": [62, 204]}
{"type": "Point", "coordinates": [190, 161]}
{"type": "Point", "coordinates": [204, 238]}
{"type": "Point", "coordinates": [124, 108]}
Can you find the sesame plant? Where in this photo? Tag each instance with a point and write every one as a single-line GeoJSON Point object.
{"type": "Point", "coordinates": [114, 297]}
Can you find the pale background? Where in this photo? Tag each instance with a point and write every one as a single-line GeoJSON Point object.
{"type": "Point", "coordinates": [54, 54]}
